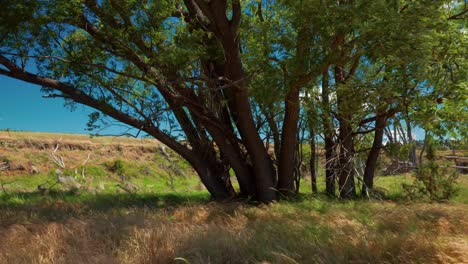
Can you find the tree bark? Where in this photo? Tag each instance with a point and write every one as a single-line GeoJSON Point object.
{"type": "Point", "coordinates": [229, 148]}
{"type": "Point", "coordinates": [272, 123]}
{"type": "Point", "coordinates": [346, 162]}
{"type": "Point", "coordinates": [262, 162]}
{"type": "Point", "coordinates": [371, 163]}
{"type": "Point", "coordinates": [412, 150]}
{"type": "Point", "coordinates": [313, 162]}
{"type": "Point", "coordinates": [330, 146]}
{"type": "Point", "coordinates": [346, 154]}
{"type": "Point", "coordinates": [213, 177]}
{"type": "Point", "coordinates": [289, 143]}
{"type": "Point", "coordinates": [287, 158]}
{"type": "Point", "coordinates": [213, 16]}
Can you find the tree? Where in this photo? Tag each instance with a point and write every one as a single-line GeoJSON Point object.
{"type": "Point", "coordinates": [213, 89]}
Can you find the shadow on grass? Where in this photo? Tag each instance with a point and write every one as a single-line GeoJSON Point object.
{"type": "Point", "coordinates": [61, 205]}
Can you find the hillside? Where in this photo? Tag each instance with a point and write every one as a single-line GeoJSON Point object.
{"type": "Point", "coordinates": [30, 159]}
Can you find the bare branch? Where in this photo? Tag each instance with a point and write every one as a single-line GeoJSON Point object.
{"type": "Point", "coordinates": [83, 166]}
{"type": "Point", "coordinates": [3, 166]}
{"type": "Point", "coordinates": [57, 159]}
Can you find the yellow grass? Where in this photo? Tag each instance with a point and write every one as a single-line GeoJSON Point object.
{"type": "Point", "coordinates": [77, 138]}
{"type": "Point", "coordinates": [235, 233]}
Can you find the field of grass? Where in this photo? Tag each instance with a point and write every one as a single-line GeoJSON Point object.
{"type": "Point", "coordinates": [169, 219]}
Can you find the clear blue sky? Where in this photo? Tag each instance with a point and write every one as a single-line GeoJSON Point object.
{"type": "Point", "coordinates": [23, 108]}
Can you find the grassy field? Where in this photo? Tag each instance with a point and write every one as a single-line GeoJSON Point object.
{"type": "Point", "coordinates": [169, 219]}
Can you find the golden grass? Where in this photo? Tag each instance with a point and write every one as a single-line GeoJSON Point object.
{"type": "Point", "coordinates": [80, 138]}
{"type": "Point", "coordinates": [363, 232]}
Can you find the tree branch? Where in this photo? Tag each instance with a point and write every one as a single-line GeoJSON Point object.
{"type": "Point", "coordinates": [78, 96]}
{"type": "Point", "coordinates": [236, 15]}
{"type": "Point", "coordinates": [459, 15]}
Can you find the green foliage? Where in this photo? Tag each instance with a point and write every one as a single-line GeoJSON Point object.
{"type": "Point", "coordinates": [431, 180]}
{"type": "Point", "coordinates": [118, 167]}
{"type": "Point", "coordinates": [397, 150]}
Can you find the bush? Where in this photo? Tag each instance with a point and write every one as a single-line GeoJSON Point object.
{"type": "Point", "coordinates": [118, 167]}
{"type": "Point", "coordinates": [431, 180]}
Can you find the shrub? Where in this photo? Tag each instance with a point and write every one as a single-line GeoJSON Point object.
{"type": "Point", "coordinates": [431, 180]}
{"type": "Point", "coordinates": [118, 167]}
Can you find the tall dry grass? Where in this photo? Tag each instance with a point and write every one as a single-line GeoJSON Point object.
{"type": "Point", "coordinates": [235, 233]}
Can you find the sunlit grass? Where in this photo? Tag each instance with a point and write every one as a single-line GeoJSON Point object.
{"type": "Point", "coordinates": [162, 228]}
{"type": "Point", "coordinates": [170, 219]}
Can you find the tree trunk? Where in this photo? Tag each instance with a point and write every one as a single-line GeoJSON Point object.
{"type": "Point", "coordinates": [262, 163]}
{"type": "Point", "coordinates": [212, 16]}
{"type": "Point", "coordinates": [313, 162]}
{"type": "Point", "coordinates": [229, 148]}
{"type": "Point", "coordinates": [330, 148]}
{"type": "Point", "coordinates": [412, 151]}
{"type": "Point", "coordinates": [287, 158]}
{"type": "Point", "coordinates": [346, 162]}
{"type": "Point", "coordinates": [211, 176]}
{"type": "Point", "coordinates": [242, 170]}
{"type": "Point", "coordinates": [371, 163]}
{"type": "Point", "coordinates": [346, 155]}
{"type": "Point", "coordinates": [272, 123]}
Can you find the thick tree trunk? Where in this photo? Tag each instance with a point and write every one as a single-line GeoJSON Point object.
{"type": "Point", "coordinates": [213, 16]}
{"type": "Point", "coordinates": [262, 163]}
{"type": "Point", "coordinates": [346, 162]}
{"type": "Point", "coordinates": [346, 155]}
{"type": "Point", "coordinates": [242, 170]}
{"type": "Point", "coordinates": [330, 147]}
{"type": "Point", "coordinates": [211, 176]}
{"type": "Point", "coordinates": [371, 163]}
{"type": "Point", "coordinates": [287, 158]}
{"type": "Point", "coordinates": [210, 169]}
{"type": "Point", "coordinates": [229, 148]}
{"type": "Point", "coordinates": [289, 136]}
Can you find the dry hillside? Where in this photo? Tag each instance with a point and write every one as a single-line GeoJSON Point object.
{"type": "Point", "coordinates": [24, 152]}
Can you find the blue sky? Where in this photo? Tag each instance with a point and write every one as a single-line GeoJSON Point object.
{"type": "Point", "coordinates": [23, 108]}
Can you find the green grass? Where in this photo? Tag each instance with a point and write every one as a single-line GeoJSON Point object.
{"type": "Point", "coordinates": [153, 181]}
